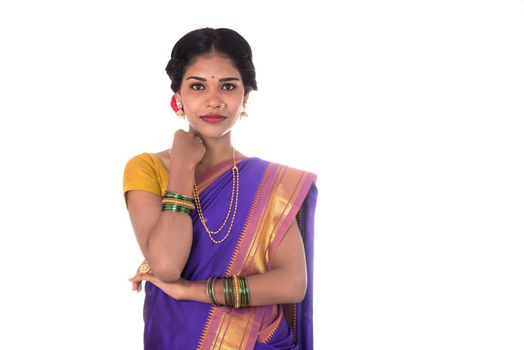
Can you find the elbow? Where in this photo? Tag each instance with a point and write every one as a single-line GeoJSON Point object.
{"type": "Point", "coordinates": [299, 290]}
{"type": "Point", "coordinates": [167, 274]}
{"type": "Point", "coordinates": [165, 268]}
{"type": "Point", "coordinates": [168, 278]}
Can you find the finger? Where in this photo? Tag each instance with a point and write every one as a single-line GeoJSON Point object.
{"type": "Point", "coordinates": [136, 286]}
{"type": "Point", "coordinates": [154, 280]}
{"type": "Point", "coordinates": [194, 133]}
{"type": "Point", "coordinates": [136, 277]}
{"type": "Point", "coordinates": [139, 277]}
{"type": "Point", "coordinates": [147, 277]}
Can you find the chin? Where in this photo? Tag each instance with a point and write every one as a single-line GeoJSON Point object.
{"type": "Point", "coordinates": [212, 134]}
{"type": "Point", "coordinates": [210, 131]}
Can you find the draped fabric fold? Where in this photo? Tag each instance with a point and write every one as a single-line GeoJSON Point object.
{"type": "Point", "coordinates": [270, 197]}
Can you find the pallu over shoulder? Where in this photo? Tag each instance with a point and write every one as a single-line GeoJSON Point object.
{"type": "Point", "coordinates": [270, 196]}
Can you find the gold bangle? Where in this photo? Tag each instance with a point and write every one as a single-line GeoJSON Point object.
{"type": "Point", "coordinates": [180, 202]}
{"type": "Point", "coordinates": [176, 200]}
{"type": "Point", "coordinates": [236, 291]}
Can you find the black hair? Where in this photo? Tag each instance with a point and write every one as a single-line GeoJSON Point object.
{"type": "Point", "coordinates": [208, 40]}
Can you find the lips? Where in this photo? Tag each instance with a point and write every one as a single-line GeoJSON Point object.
{"type": "Point", "coordinates": [213, 118]}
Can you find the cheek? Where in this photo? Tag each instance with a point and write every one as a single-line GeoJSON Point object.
{"type": "Point", "coordinates": [236, 100]}
{"type": "Point", "coordinates": [191, 102]}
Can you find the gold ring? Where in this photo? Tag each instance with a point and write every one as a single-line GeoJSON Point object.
{"type": "Point", "coordinates": [144, 268]}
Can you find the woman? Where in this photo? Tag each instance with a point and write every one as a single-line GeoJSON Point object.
{"type": "Point", "coordinates": [227, 239]}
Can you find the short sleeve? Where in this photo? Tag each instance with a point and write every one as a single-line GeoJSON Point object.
{"type": "Point", "coordinates": [139, 174]}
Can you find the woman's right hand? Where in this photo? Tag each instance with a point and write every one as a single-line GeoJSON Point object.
{"type": "Point", "coordinates": [187, 148]}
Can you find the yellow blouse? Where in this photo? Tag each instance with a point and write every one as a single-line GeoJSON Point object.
{"type": "Point", "coordinates": [145, 172]}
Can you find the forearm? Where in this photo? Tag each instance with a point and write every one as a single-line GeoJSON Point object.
{"type": "Point", "coordinates": [273, 287]}
{"type": "Point", "coordinates": [277, 286]}
{"type": "Point", "coordinates": [169, 243]}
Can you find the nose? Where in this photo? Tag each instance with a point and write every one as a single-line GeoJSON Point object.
{"type": "Point", "coordinates": [214, 100]}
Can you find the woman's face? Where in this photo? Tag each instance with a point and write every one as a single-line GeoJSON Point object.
{"type": "Point", "coordinates": [212, 94]}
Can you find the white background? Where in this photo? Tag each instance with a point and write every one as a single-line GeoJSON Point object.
{"type": "Point", "coordinates": [410, 112]}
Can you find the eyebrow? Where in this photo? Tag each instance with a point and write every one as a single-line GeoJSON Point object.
{"type": "Point", "coordinates": [220, 80]}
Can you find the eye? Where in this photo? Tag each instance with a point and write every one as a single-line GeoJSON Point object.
{"type": "Point", "coordinates": [228, 87]}
{"type": "Point", "coordinates": [197, 86]}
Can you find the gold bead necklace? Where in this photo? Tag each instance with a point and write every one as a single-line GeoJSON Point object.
{"type": "Point", "coordinates": [234, 195]}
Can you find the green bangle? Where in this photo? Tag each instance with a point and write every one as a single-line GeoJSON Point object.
{"type": "Point", "coordinates": [210, 289]}
{"type": "Point", "coordinates": [172, 205]}
{"type": "Point", "coordinates": [224, 284]}
{"type": "Point", "coordinates": [242, 292]}
{"type": "Point", "coordinates": [246, 291]}
{"type": "Point", "coordinates": [169, 194]}
{"type": "Point", "coordinates": [231, 299]}
{"type": "Point", "coordinates": [230, 291]}
{"type": "Point", "coordinates": [177, 208]}
{"type": "Point", "coordinates": [226, 291]}
{"type": "Point", "coordinates": [177, 211]}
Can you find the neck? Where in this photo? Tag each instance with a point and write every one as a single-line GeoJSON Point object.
{"type": "Point", "coordinates": [217, 151]}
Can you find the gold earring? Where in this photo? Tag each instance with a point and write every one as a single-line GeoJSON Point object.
{"type": "Point", "coordinates": [180, 113]}
{"type": "Point", "coordinates": [243, 113]}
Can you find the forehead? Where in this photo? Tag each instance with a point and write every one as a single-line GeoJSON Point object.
{"type": "Point", "coordinates": [212, 65]}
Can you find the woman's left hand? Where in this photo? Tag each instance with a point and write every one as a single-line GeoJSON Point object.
{"type": "Point", "coordinates": [175, 290]}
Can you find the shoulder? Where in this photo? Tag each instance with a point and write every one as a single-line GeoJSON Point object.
{"type": "Point", "coordinates": [145, 160]}
{"type": "Point", "coordinates": [140, 161]}
{"type": "Point", "coordinates": [144, 164]}
{"type": "Point", "coordinates": [143, 172]}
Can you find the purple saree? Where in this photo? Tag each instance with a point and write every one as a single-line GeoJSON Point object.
{"type": "Point", "coordinates": [270, 197]}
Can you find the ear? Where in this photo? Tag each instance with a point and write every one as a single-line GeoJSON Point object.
{"type": "Point", "coordinates": [178, 96]}
{"type": "Point", "coordinates": [246, 96]}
